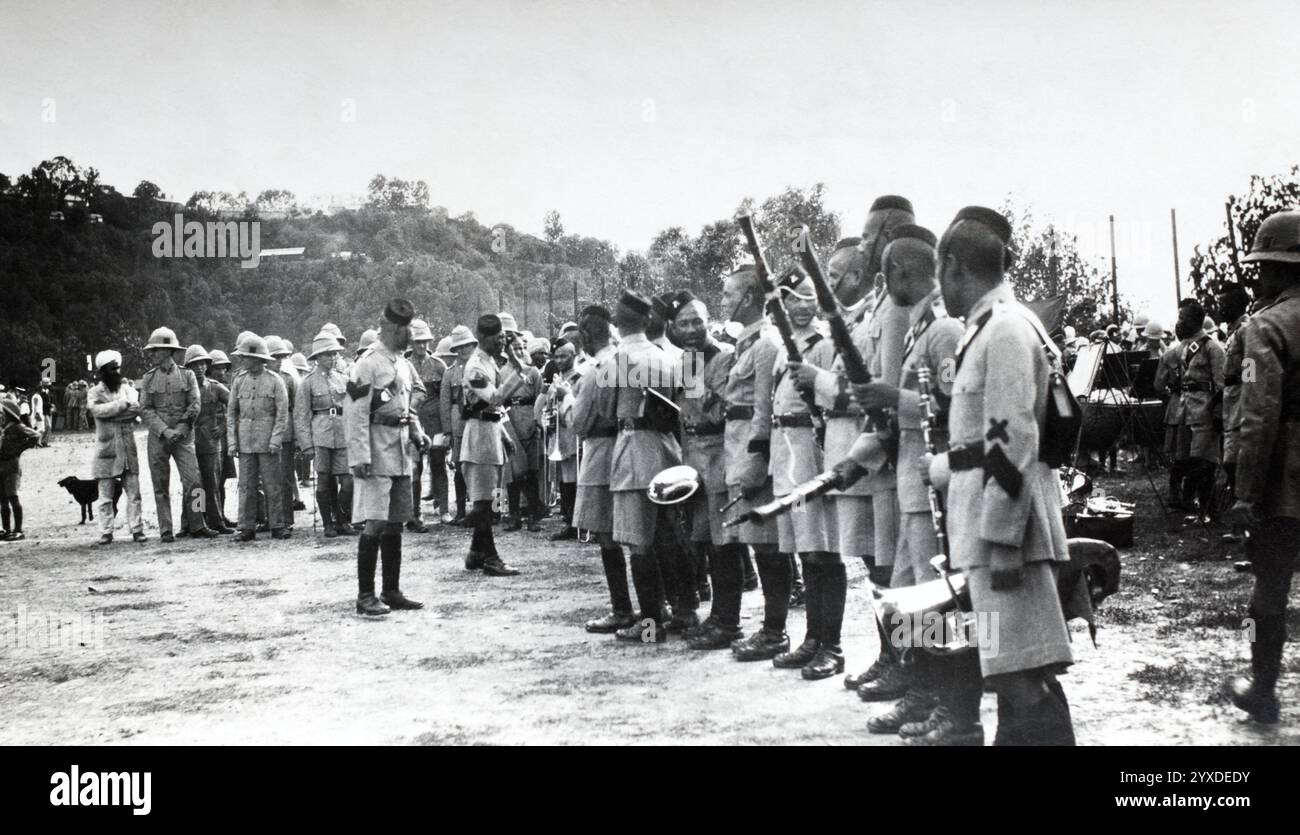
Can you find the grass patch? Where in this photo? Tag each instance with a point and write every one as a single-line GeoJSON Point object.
{"type": "Point", "coordinates": [142, 606]}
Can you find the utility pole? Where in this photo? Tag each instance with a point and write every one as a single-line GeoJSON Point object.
{"type": "Point", "coordinates": [1178, 282]}
{"type": "Point", "coordinates": [550, 300]}
{"type": "Point", "coordinates": [1114, 275]}
{"type": "Point", "coordinates": [1232, 240]}
{"type": "Point", "coordinates": [575, 298]}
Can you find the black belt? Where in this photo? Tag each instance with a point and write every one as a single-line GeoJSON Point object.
{"type": "Point", "coordinates": [389, 420]}
{"type": "Point", "coordinates": [602, 432]}
{"type": "Point", "coordinates": [520, 401]}
{"type": "Point", "coordinates": [636, 424]}
{"type": "Point", "coordinates": [1232, 379]}
{"type": "Point", "coordinates": [793, 421]}
{"type": "Point", "coordinates": [1198, 387]}
{"type": "Point", "coordinates": [702, 429]}
{"type": "Point", "coordinates": [843, 413]}
{"type": "Point", "coordinates": [740, 413]}
{"type": "Point", "coordinates": [332, 410]}
{"type": "Point", "coordinates": [490, 417]}
{"type": "Point", "coordinates": [965, 458]}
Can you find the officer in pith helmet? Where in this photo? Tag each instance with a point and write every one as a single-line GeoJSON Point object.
{"type": "Point", "coordinates": [209, 433]}
{"type": "Point", "coordinates": [257, 417]}
{"type": "Point", "coordinates": [451, 399]}
{"type": "Point", "coordinates": [279, 349]}
{"type": "Point", "coordinates": [380, 428]}
{"type": "Point", "coordinates": [1268, 456]}
{"type": "Point", "coordinates": [169, 403]}
{"type": "Point", "coordinates": [319, 433]}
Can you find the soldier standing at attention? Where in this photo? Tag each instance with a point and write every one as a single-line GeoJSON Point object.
{"type": "Point", "coordinates": [319, 413]}
{"type": "Point", "coordinates": [218, 371]}
{"type": "Point", "coordinates": [560, 404]}
{"type": "Point", "coordinates": [1198, 437]}
{"type": "Point", "coordinates": [451, 400]}
{"type": "Point", "coordinates": [257, 415]}
{"type": "Point", "coordinates": [483, 449]}
{"type": "Point", "coordinates": [1268, 456]}
{"type": "Point", "coordinates": [379, 425]}
{"type": "Point", "coordinates": [595, 420]}
{"type": "Point", "coordinates": [747, 445]}
{"type": "Point", "coordinates": [525, 461]}
{"type": "Point", "coordinates": [428, 371]}
{"type": "Point", "coordinates": [289, 492]}
{"type": "Point", "coordinates": [1233, 304]}
{"type": "Point", "coordinates": [169, 404]}
{"type": "Point", "coordinates": [1004, 503]}
{"type": "Point", "coordinates": [209, 431]}
{"type": "Point", "coordinates": [1169, 382]}
{"type": "Point", "coordinates": [115, 404]}
{"type": "Point", "coordinates": [645, 445]}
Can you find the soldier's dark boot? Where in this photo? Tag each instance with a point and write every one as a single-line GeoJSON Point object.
{"type": "Point", "coordinates": [944, 729]}
{"type": "Point", "coordinates": [751, 576]}
{"type": "Point", "coordinates": [915, 707]}
{"type": "Point", "coordinates": [761, 646]}
{"type": "Point", "coordinates": [367, 559]}
{"type": "Point", "coordinates": [533, 496]}
{"type": "Point", "coordinates": [513, 521]}
{"type": "Point", "coordinates": [830, 584]}
{"type": "Point", "coordinates": [479, 519]}
{"type": "Point", "coordinates": [647, 579]}
{"type": "Point", "coordinates": [325, 504]}
{"type": "Point", "coordinates": [891, 684]}
{"type": "Point", "coordinates": [620, 599]}
{"type": "Point", "coordinates": [390, 550]}
{"type": "Point", "coordinates": [774, 570]}
{"type": "Point", "coordinates": [1256, 693]}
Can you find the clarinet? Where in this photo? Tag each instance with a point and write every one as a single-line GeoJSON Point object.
{"type": "Point", "coordinates": [928, 431]}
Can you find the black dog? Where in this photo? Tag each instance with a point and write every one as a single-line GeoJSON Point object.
{"type": "Point", "coordinates": [86, 492]}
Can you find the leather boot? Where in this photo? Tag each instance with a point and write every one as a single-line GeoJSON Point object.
{"type": "Point", "coordinates": [893, 684]}
{"type": "Point", "coordinates": [714, 636]}
{"type": "Point", "coordinates": [761, 646]}
{"type": "Point", "coordinates": [948, 731]}
{"type": "Point", "coordinates": [620, 599]}
{"type": "Point", "coordinates": [875, 671]}
{"type": "Point", "coordinates": [829, 661]}
{"type": "Point", "coordinates": [914, 707]}
{"type": "Point", "coordinates": [369, 605]}
{"type": "Point", "coordinates": [799, 656]}
{"type": "Point", "coordinates": [1045, 723]}
{"type": "Point", "coordinates": [1255, 693]}
{"type": "Point", "coordinates": [390, 548]}
{"type": "Point", "coordinates": [774, 570]}
{"type": "Point", "coordinates": [325, 504]}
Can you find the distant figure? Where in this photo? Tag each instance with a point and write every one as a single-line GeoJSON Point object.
{"type": "Point", "coordinates": [15, 438]}
{"type": "Point", "coordinates": [116, 406]}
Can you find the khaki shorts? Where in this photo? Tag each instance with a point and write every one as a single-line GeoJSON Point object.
{"type": "Point", "coordinates": [635, 517]}
{"type": "Point", "coordinates": [481, 480]}
{"type": "Point", "coordinates": [382, 498]}
{"type": "Point", "coordinates": [917, 545]}
{"type": "Point", "coordinates": [331, 461]}
{"type": "Point", "coordinates": [884, 512]}
{"type": "Point", "coordinates": [751, 533]}
{"type": "Point", "coordinates": [808, 528]}
{"type": "Point", "coordinates": [855, 524]}
{"type": "Point", "coordinates": [593, 510]}
{"type": "Point", "coordinates": [706, 517]}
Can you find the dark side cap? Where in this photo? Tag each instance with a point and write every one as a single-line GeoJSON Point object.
{"type": "Point", "coordinates": [399, 312]}
{"type": "Point", "coordinates": [892, 201]}
{"type": "Point", "coordinates": [679, 300]}
{"type": "Point", "coordinates": [916, 233]}
{"type": "Point", "coordinates": [994, 220]}
{"type": "Point", "coordinates": [635, 302]}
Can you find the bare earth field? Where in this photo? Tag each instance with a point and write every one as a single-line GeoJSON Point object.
{"type": "Point", "coordinates": [257, 643]}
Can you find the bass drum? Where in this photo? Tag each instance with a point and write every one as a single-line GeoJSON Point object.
{"type": "Point", "coordinates": [1103, 423]}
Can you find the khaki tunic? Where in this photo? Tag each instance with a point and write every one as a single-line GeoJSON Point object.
{"type": "Point", "coordinates": [487, 387]}
{"type": "Point", "coordinates": [845, 417]}
{"type": "Point", "coordinates": [749, 384]}
{"type": "Point", "coordinates": [429, 370]}
{"type": "Point", "coordinates": [1268, 454]}
{"type": "Point", "coordinates": [210, 429]}
{"type": "Point", "coordinates": [318, 415]}
{"type": "Point", "coordinates": [640, 454]}
{"type": "Point", "coordinates": [257, 414]}
{"type": "Point", "coordinates": [703, 405]}
{"type": "Point", "coordinates": [379, 386]}
{"type": "Point", "coordinates": [1233, 354]}
{"type": "Point", "coordinates": [450, 400]}
{"type": "Point", "coordinates": [595, 418]}
{"type": "Point", "coordinates": [169, 398]}
{"type": "Point", "coordinates": [116, 414]}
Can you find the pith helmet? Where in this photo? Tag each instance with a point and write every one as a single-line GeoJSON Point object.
{"type": "Point", "coordinates": [367, 341]}
{"type": "Point", "coordinates": [333, 330]}
{"type": "Point", "coordinates": [195, 353]}
{"type": "Point", "coordinates": [460, 337]}
{"type": "Point", "coordinates": [254, 346]}
{"type": "Point", "coordinates": [300, 363]}
{"type": "Point", "coordinates": [1278, 239]}
{"type": "Point", "coordinates": [508, 322]}
{"type": "Point", "coordinates": [276, 347]}
{"type": "Point", "coordinates": [420, 331]}
{"type": "Point", "coordinates": [444, 348]}
{"type": "Point", "coordinates": [219, 357]}
{"type": "Point", "coordinates": [163, 338]}
{"type": "Point", "coordinates": [323, 344]}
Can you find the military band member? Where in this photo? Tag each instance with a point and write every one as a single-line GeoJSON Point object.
{"type": "Point", "coordinates": [1004, 503]}
{"type": "Point", "coordinates": [809, 530]}
{"type": "Point", "coordinates": [706, 364]}
{"type": "Point", "coordinates": [483, 451]}
{"type": "Point", "coordinates": [930, 343]}
{"type": "Point", "coordinates": [1233, 304]}
{"type": "Point", "coordinates": [558, 408]}
{"type": "Point", "coordinates": [1268, 456]}
{"type": "Point", "coordinates": [747, 444]}
{"type": "Point", "coordinates": [431, 418]}
{"type": "Point", "coordinates": [115, 405]}
{"type": "Point", "coordinates": [1198, 438]}
{"type": "Point", "coordinates": [257, 416]}
{"type": "Point", "coordinates": [380, 426]}
{"type": "Point", "coordinates": [428, 370]}
{"type": "Point", "coordinates": [595, 421]}
{"type": "Point", "coordinates": [452, 403]}
{"type": "Point", "coordinates": [320, 434]}
{"type": "Point", "coordinates": [645, 445]}
{"type": "Point", "coordinates": [1169, 382]}
{"type": "Point", "coordinates": [169, 406]}
{"type": "Point", "coordinates": [209, 433]}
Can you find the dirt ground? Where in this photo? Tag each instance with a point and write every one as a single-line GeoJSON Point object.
{"type": "Point", "coordinates": [257, 643]}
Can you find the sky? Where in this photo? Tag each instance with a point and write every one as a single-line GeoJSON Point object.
{"type": "Point", "coordinates": [632, 117]}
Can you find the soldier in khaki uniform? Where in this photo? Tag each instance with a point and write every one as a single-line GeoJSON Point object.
{"type": "Point", "coordinates": [320, 433]}
{"type": "Point", "coordinates": [257, 416]}
{"type": "Point", "coordinates": [428, 371]}
{"type": "Point", "coordinates": [555, 411]}
{"type": "Point", "coordinates": [451, 399]}
{"type": "Point", "coordinates": [169, 405]}
{"type": "Point", "coordinates": [1169, 382]}
{"type": "Point", "coordinates": [706, 364]}
{"type": "Point", "coordinates": [115, 405]}
{"type": "Point", "coordinates": [523, 470]}
{"type": "Point", "coordinates": [1198, 439]}
{"type": "Point", "coordinates": [483, 450]}
{"type": "Point", "coordinates": [380, 427]}
{"type": "Point", "coordinates": [645, 445]}
{"type": "Point", "coordinates": [747, 446]}
{"type": "Point", "coordinates": [1004, 503]}
{"type": "Point", "coordinates": [1268, 456]}
{"type": "Point", "coordinates": [809, 530]}
{"type": "Point", "coordinates": [209, 434]}
{"type": "Point", "coordinates": [1234, 302]}
{"type": "Point", "coordinates": [281, 351]}
{"type": "Point", "coordinates": [219, 371]}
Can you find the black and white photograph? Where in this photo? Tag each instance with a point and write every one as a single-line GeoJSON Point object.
{"type": "Point", "coordinates": [658, 373]}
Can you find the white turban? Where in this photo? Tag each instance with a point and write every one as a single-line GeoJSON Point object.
{"type": "Point", "coordinates": [103, 358]}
